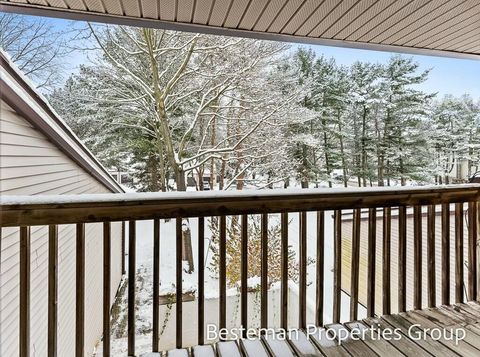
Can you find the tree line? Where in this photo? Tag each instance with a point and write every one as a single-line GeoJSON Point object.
{"type": "Point", "coordinates": [374, 125]}
{"type": "Point", "coordinates": [169, 106]}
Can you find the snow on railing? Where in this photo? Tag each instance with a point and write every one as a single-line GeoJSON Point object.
{"type": "Point", "coordinates": [21, 211]}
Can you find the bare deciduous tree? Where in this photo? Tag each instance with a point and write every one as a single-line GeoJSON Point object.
{"type": "Point", "coordinates": [35, 46]}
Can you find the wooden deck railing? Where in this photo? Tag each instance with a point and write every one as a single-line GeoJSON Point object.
{"type": "Point", "coordinates": [24, 212]}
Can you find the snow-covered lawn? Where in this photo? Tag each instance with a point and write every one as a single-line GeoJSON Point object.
{"type": "Point", "coordinates": [167, 277]}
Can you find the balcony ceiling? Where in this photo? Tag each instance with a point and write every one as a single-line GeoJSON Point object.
{"type": "Point", "coordinates": [432, 27]}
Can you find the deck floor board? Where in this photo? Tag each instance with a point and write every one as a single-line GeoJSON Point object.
{"type": "Point", "coordinates": [463, 347]}
{"type": "Point", "coordinates": [464, 316]}
{"type": "Point", "coordinates": [329, 348]}
{"type": "Point", "coordinates": [379, 346]}
{"type": "Point", "coordinates": [356, 348]}
{"type": "Point", "coordinates": [404, 344]}
{"type": "Point", "coordinates": [428, 344]}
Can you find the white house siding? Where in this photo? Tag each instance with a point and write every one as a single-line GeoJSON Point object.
{"type": "Point", "coordinates": [31, 165]}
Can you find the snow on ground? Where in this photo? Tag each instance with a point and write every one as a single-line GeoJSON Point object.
{"type": "Point", "coordinates": [144, 287]}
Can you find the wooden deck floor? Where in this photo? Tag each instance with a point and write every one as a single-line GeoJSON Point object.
{"type": "Point", "coordinates": [427, 322]}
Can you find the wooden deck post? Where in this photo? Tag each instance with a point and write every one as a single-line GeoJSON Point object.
{"type": "Point", "coordinates": [284, 272]}
{"type": "Point", "coordinates": [52, 289]}
{"type": "Point", "coordinates": [244, 273]}
{"type": "Point", "coordinates": [320, 267]}
{"type": "Point", "coordinates": [80, 292]}
{"type": "Point", "coordinates": [337, 269]}
{"type": "Point", "coordinates": [107, 262]}
{"type": "Point", "coordinates": [156, 285]}
{"type": "Point", "coordinates": [132, 247]}
{"type": "Point", "coordinates": [354, 272]}
{"type": "Point", "coordinates": [24, 305]}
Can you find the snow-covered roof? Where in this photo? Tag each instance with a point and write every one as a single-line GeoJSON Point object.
{"type": "Point", "coordinates": [21, 94]}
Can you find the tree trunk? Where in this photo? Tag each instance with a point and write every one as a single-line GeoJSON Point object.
{"type": "Point", "coordinates": [222, 175]}
{"type": "Point", "coordinates": [403, 181]}
{"type": "Point", "coordinates": [304, 174]}
{"type": "Point", "coordinates": [342, 150]}
{"type": "Point", "coordinates": [161, 161]}
{"type": "Point", "coordinates": [164, 132]}
{"type": "Point", "coordinates": [364, 147]}
{"type": "Point", "coordinates": [187, 250]}
{"type": "Point", "coordinates": [380, 171]}
{"type": "Point", "coordinates": [326, 151]}
{"type": "Point", "coordinates": [387, 172]}
{"type": "Point", "coordinates": [213, 175]}
{"type": "Point", "coordinates": [380, 155]}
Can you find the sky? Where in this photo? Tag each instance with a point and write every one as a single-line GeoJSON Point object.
{"type": "Point", "coordinates": [448, 75]}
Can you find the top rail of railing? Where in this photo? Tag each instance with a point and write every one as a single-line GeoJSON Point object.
{"type": "Point", "coordinates": [66, 209]}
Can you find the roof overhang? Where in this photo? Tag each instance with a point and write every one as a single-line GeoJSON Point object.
{"type": "Point", "coordinates": [18, 93]}
{"type": "Point", "coordinates": [448, 28]}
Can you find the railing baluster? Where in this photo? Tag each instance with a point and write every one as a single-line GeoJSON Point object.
{"type": "Point", "coordinates": [372, 246]}
{"type": "Point", "coordinates": [52, 289]}
{"type": "Point", "coordinates": [432, 289]}
{"type": "Point", "coordinates": [472, 251]}
{"type": "Point", "coordinates": [386, 259]}
{"type": "Point", "coordinates": [445, 254]}
{"type": "Point", "coordinates": [337, 270]}
{"type": "Point", "coordinates": [459, 252]}
{"type": "Point", "coordinates": [417, 257]}
{"type": "Point", "coordinates": [201, 280]}
{"type": "Point", "coordinates": [123, 249]}
{"type": "Point", "coordinates": [179, 288]}
{"type": "Point", "coordinates": [264, 272]}
{"type": "Point", "coordinates": [477, 240]}
{"type": "Point", "coordinates": [320, 267]}
{"type": "Point", "coordinates": [302, 309]}
{"type": "Point", "coordinates": [223, 272]}
{"type": "Point", "coordinates": [24, 306]}
{"type": "Point", "coordinates": [355, 264]}
{"type": "Point", "coordinates": [80, 292]}
{"type": "Point", "coordinates": [244, 273]}
{"type": "Point", "coordinates": [156, 285]}
{"type": "Point", "coordinates": [402, 258]}
{"type": "Point", "coordinates": [131, 286]}
{"type": "Point", "coordinates": [284, 287]}
{"type": "Point", "coordinates": [107, 242]}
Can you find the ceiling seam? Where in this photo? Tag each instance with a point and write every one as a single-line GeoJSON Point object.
{"type": "Point", "coordinates": [323, 18]}
{"type": "Point", "coordinates": [450, 34]}
{"type": "Point", "coordinates": [356, 18]}
{"type": "Point", "coordinates": [416, 20]}
{"type": "Point", "coordinates": [341, 17]}
{"type": "Point", "coordinates": [452, 41]}
{"type": "Point", "coordinates": [373, 18]}
{"type": "Point", "coordinates": [364, 34]}
{"type": "Point", "coordinates": [193, 11]}
{"type": "Point", "coordinates": [140, 8]}
{"type": "Point", "coordinates": [122, 7]}
{"type": "Point", "coordinates": [429, 22]}
{"type": "Point", "coordinates": [261, 14]}
{"type": "Point", "coordinates": [276, 16]}
{"type": "Point", "coordinates": [210, 12]}
{"type": "Point", "coordinates": [292, 16]}
{"type": "Point", "coordinates": [410, 4]}
{"type": "Point", "coordinates": [463, 45]}
{"type": "Point", "coordinates": [228, 13]}
{"type": "Point", "coordinates": [244, 13]}
{"type": "Point", "coordinates": [308, 17]}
